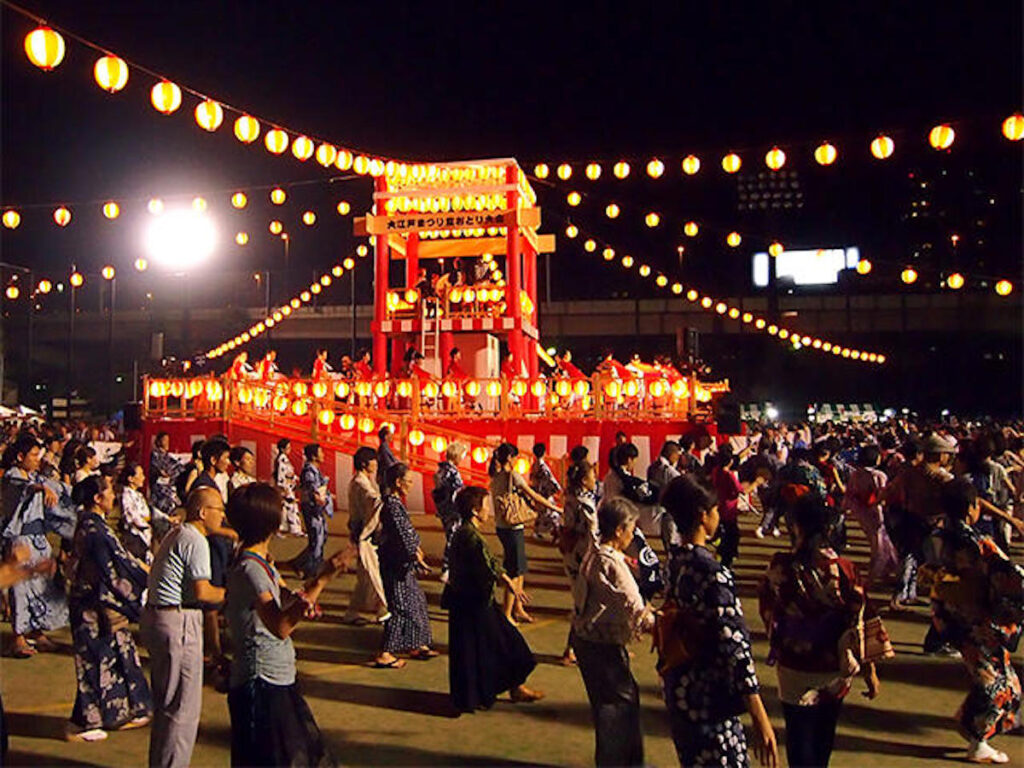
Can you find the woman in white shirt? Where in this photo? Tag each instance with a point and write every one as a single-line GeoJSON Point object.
{"type": "Point", "coordinates": [608, 613]}
{"type": "Point", "coordinates": [136, 515]}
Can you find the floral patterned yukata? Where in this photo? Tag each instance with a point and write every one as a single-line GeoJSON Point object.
{"type": "Point", "coordinates": [982, 618]}
{"type": "Point", "coordinates": [106, 594]}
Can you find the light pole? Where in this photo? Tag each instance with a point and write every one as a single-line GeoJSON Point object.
{"type": "Point", "coordinates": [76, 281]}
{"type": "Point", "coordinates": [110, 275]}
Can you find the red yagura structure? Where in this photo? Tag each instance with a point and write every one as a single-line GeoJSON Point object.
{"type": "Point", "coordinates": [474, 225]}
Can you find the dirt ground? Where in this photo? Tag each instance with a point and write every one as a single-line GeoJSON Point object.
{"type": "Point", "coordinates": [403, 717]}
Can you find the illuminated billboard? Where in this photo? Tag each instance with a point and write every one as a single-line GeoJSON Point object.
{"type": "Point", "coordinates": [820, 266]}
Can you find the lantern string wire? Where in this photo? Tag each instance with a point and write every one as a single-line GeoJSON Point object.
{"type": "Point", "coordinates": [287, 185]}
{"type": "Point", "coordinates": [133, 64]}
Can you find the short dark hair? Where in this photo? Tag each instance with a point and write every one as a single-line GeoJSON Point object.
{"type": "Point", "coordinates": [612, 514]}
{"type": "Point", "coordinates": [393, 474]}
{"type": "Point", "coordinates": [127, 472]}
{"type": "Point", "coordinates": [213, 449]}
{"type": "Point", "coordinates": [501, 454]}
{"type": "Point", "coordinates": [238, 453]}
{"type": "Point", "coordinates": [579, 453]}
{"type": "Point", "coordinates": [87, 489]}
{"type": "Point", "coordinates": [539, 449]}
{"type": "Point", "coordinates": [469, 500]}
{"type": "Point", "coordinates": [669, 447]}
{"type": "Point", "coordinates": [362, 458]}
{"type": "Point", "coordinates": [197, 449]}
{"type": "Point", "coordinates": [811, 516]}
{"type": "Point", "coordinates": [255, 511]}
{"type": "Point", "coordinates": [957, 497]}
{"type": "Point", "coordinates": [687, 501]}
{"type": "Point", "coordinates": [686, 442]}
{"type": "Point", "coordinates": [310, 450]}
{"type": "Point", "coordinates": [868, 455]}
{"type": "Point", "coordinates": [624, 453]}
{"type": "Point", "coordinates": [82, 455]}
{"type": "Point", "coordinates": [159, 436]}
{"type": "Point", "coordinates": [282, 444]}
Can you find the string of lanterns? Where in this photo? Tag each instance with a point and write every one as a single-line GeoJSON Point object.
{"type": "Point", "coordinates": [881, 147]}
{"type": "Point", "coordinates": [45, 48]}
{"type": "Point", "coordinates": [733, 238]}
{"type": "Point", "coordinates": [286, 310]}
{"type": "Point", "coordinates": [723, 308]}
{"type": "Point", "coordinates": [112, 209]}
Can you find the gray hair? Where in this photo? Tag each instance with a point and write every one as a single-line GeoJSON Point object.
{"type": "Point", "coordinates": [614, 513]}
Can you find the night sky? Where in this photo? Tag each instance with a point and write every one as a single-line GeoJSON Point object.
{"type": "Point", "coordinates": [537, 81]}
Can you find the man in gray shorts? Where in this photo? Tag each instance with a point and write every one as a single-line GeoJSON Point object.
{"type": "Point", "coordinates": [172, 628]}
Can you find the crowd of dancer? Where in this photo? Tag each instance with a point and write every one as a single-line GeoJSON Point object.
{"type": "Point", "coordinates": [937, 505]}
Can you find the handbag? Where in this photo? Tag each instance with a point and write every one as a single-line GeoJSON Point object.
{"type": "Point", "coordinates": [511, 509]}
{"type": "Point", "coordinates": [678, 636]}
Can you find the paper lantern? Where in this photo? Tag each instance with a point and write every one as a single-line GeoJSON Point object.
{"type": "Point", "coordinates": [111, 210]}
{"type": "Point", "coordinates": [44, 48]}
{"type": "Point", "coordinates": [416, 437]}
{"type": "Point", "coordinates": [439, 444]}
{"type": "Point", "coordinates": [493, 388]}
{"type": "Point", "coordinates": [155, 206]}
{"type": "Point", "coordinates": [344, 208]}
{"type": "Point", "coordinates": [303, 148]}
{"type": "Point", "coordinates": [593, 171]}
{"type": "Point", "coordinates": [276, 141]}
{"type": "Point", "coordinates": [309, 218]}
{"type": "Point", "coordinates": [209, 115]}
{"type": "Point", "coordinates": [571, 231]}
{"type": "Point", "coordinates": [775, 158]}
{"type": "Point", "coordinates": [621, 169]}
{"type": "Point", "coordinates": [141, 265]}
{"type": "Point", "coordinates": [239, 200]}
{"type": "Point", "coordinates": [541, 170]}
{"type": "Point", "coordinates": [108, 272]}
{"type": "Point", "coordinates": [361, 165]}
{"type": "Point", "coordinates": [573, 198]}
{"type": "Point", "coordinates": [863, 267]}
{"type": "Point", "coordinates": [62, 216]}
{"type": "Point", "coordinates": [775, 249]}
{"type": "Point", "coordinates": [110, 73]}
{"type": "Point", "coordinates": [278, 196]}
{"type": "Point", "coordinates": [691, 164]}
{"type": "Point", "coordinates": [326, 154]}
{"type": "Point", "coordinates": [611, 389]}
{"type": "Point", "coordinates": [11, 218]}
{"type": "Point", "coordinates": [12, 292]}
{"type": "Point", "coordinates": [941, 136]}
{"type": "Point", "coordinates": [165, 97]}
{"type": "Point", "coordinates": [1013, 127]}
{"type": "Point", "coordinates": [247, 129]}
{"type": "Point", "coordinates": [661, 281]}
{"type": "Point", "coordinates": [242, 238]}
{"type": "Point", "coordinates": [611, 211]}
{"type": "Point", "coordinates": [341, 390]}
{"type": "Point", "coordinates": [733, 239]}
{"type": "Point", "coordinates": [199, 204]}
{"type": "Point", "coordinates": [706, 302]}
{"type": "Point", "coordinates": [479, 454]}
{"type": "Point", "coordinates": [690, 229]}
{"type": "Point", "coordinates": [564, 171]}
{"type": "Point", "coordinates": [955, 281]}
{"type": "Point", "coordinates": [1004, 287]}
{"type": "Point", "coordinates": [908, 275]}
{"type": "Point", "coordinates": [644, 270]}
{"type": "Point", "coordinates": [882, 147]}
{"type": "Point", "coordinates": [366, 425]}
{"type": "Point", "coordinates": [627, 262]}
{"type": "Point", "coordinates": [344, 160]}
{"type": "Point", "coordinates": [518, 387]}
{"type": "Point", "coordinates": [652, 219]}
{"type": "Point", "coordinates": [731, 163]}
{"type": "Point", "coordinates": [45, 286]}
{"type": "Point", "coordinates": [825, 154]}
{"type": "Point", "coordinates": [692, 295]}
{"type": "Point", "coordinates": [76, 279]}
{"type": "Point", "coordinates": [300, 391]}
{"type": "Point", "coordinates": [655, 168]}
{"type": "Point", "coordinates": [276, 227]}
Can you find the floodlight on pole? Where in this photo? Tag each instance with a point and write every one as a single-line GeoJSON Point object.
{"type": "Point", "coordinates": [180, 239]}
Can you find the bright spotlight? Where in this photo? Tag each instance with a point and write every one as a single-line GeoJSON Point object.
{"type": "Point", "coordinates": [772, 412]}
{"type": "Point", "coordinates": [180, 239]}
